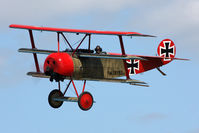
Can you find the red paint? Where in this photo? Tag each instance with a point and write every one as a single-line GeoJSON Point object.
{"type": "Point", "coordinates": [152, 62]}
{"type": "Point", "coordinates": [75, 88]}
{"type": "Point", "coordinates": [34, 54]}
{"type": "Point", "coordinates": [60, 63]}
{"type": "Point", "coordinates": [162, 46]}
{"type": "Point", "coordinates": [86, 101]}
{"type": "Point", "coordinates": [122, 45]}
{"type": "Point", "coordinates": [78, 31]}
{"type": "Point", "coordinates": [123, 53]}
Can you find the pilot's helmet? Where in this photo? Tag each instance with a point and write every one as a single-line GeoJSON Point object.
{"type": "Point", "coordinates": [98, 49]}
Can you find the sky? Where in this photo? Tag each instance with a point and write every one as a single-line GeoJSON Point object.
{"type": "Point", "coordinates": [169, 105]}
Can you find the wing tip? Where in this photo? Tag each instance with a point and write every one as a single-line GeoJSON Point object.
{"type": "Point", "coordinates": [13, 25]}
{"type": "Point", "coordinates": [141, 35]}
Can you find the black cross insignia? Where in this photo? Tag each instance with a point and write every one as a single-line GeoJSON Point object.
{"type": "Point", "coordinates": [167, 50]}
{"type": "Point", "coordinates": [132, 65]}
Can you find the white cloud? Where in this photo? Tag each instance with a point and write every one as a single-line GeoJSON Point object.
{"type": "Point", "coordinates": [192, 10]}
{"type": "Point", "coordinates": [178, 16]}
{"type": "Point", "coordinates": [175, 19]}
{"type": "Point", "coordinates": [41, 10]}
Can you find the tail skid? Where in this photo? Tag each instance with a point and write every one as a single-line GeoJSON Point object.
{"type": "Point", "coordinates": [164, 74]}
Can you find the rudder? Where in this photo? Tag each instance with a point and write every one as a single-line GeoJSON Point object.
{"type": "Point", "coordinates": [166, 49]}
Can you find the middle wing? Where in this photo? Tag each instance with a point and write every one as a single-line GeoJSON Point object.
{"type": "Point", "coordinates": [107, 56]}
{"type": "Point", "coordinates": [90, 55]}
{"type": "Point", "coordinates": [82, 55]}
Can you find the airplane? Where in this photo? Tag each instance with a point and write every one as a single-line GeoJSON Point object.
{"type": "Point", "coordinates": [86, 65]}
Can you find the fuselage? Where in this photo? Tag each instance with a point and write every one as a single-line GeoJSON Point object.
{"type": "Point", "coordinates": [60, 65]}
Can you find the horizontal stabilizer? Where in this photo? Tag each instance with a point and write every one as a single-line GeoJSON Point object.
{"type": "Point", "coordinates": [180, 59]}
{"type": "Point", "coordinates": [129, 81]}
{"type": "Point", "coordinates": [158, 57]}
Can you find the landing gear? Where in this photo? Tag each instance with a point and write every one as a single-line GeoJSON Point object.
{"type": "Point", "coordinates": [52, 98]}
{"type": "Point", "coordinates": [85, 101]}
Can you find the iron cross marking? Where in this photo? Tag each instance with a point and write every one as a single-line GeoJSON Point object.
{"type": "Point", "coordinates": [132, 65]}
{"type": "Point", "coordinates": [167, 50]}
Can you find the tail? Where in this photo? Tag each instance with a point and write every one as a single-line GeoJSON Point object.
{"type": "Point", "coordinates": [166, 49]}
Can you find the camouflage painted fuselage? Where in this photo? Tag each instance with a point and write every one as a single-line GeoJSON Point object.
{"type": "Point", "coordinates": [98, 68]}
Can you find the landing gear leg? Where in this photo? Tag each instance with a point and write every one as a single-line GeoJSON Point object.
{"type": "Point", "coordinates": [85, 99]}
{"type": "Point", "coordinates": [55, 95]}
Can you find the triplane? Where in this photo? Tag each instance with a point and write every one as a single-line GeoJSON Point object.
{"type": "Point", "coordinates": [84, 64]}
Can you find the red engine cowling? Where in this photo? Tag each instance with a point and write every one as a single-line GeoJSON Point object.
{"type": "Point", "coordinates": [58, 65]}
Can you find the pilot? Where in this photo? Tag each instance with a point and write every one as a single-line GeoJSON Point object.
{"type": "Point", "coordinates": [98, 49]}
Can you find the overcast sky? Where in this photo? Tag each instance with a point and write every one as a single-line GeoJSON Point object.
{"type": "Point", "coordinates": [169, 105]}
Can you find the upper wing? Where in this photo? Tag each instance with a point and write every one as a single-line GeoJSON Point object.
{"type": "Point", "coordinates": [79, 31]}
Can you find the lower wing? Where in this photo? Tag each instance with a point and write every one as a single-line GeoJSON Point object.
{"type": "Point", "coordinates": [129, 81]}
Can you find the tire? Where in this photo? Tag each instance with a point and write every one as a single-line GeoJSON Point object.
{"type": "Point", "coordinates": [54, 94]}
{"type": "Point", "coordinates": [85, 101]}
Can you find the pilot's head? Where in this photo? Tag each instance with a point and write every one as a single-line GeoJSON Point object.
{"type": "Point", "coordinates": [98, 49]}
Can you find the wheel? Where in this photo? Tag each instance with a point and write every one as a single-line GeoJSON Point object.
{"type": "Point", "coordinates": [85, 101]}
{"type": "Point", "coordinates": [55, 94]}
